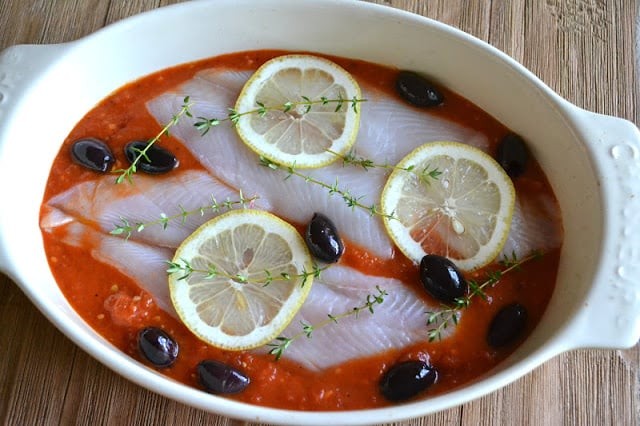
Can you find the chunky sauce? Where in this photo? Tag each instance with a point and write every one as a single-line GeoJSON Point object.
{"type": "Point", "coordinates": [117, 308]}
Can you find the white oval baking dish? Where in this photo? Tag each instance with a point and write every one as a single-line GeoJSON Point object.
{"type": "Point", "coordinates": [592, 161]}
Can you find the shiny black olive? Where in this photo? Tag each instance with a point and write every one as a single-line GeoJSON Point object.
{"type": "Point", "coordinates": [507, 325]}
{"type": "Point", "coordinates": [157, 347]}
{"type": "Point", "coordinates": [323, 240]}
{"type": "Point", "coordinates": [92, 154]}
{"type": "Point", "coordinates": [407, 379]}
{"type": "Point", "coordinates": [512, 155]}
{"type": "Point", "coordinates": [442, 279]}
{"type": "Point", "coordinates": [219, 378]}
{"type": "Point", "coordinates": [417, 90]}
{"type": "Point", "coordinates": [158, 160]}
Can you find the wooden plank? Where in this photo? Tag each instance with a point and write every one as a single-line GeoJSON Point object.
{"type": "Point", "coordinates": [22, 23]}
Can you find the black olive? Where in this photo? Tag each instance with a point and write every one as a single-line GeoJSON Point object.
{"type": "Point", "coordinates": [323, 240]}
{"type": "Point", "coordinates": [158, 160]}
{"type": "Point", "coordinates": [512, 155]}
{"type": "Point", "coordinates": [157, 347]}
{"type": "Point", "coordinates": [442, 279]}
{"type": "Point", "coordinates": [417, 90]}
{"type": "Point", "coordinates": [92, 154]}
{"type": "Point", "coordinates": [407, 379]}
{"type": "Point", "coordinates": [219, 378]}
{"type": "Point", "coordinates": [507, 325]}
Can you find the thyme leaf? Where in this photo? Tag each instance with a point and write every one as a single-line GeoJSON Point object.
{"type": "Point", "coordinates": [282, 343]}
{"type": "Point", "coordinates": [127, 174]}
{"type": "Point", "coordinates": [427, 175]}
{"type": "Point", "coordinates": [438, 321]}
{"type": "Point", "coordinates": [126, 228]}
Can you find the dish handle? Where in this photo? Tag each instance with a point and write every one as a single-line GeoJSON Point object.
{"type": "Point", "coordinates": [611, 315]}
{"type": "Point", "coordinates": [20, 67]}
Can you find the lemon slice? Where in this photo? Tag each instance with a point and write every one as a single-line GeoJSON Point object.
{"type": "Point", "coordinates": [301, 134]}
{"type": "Point", "coordinates": [235, 305]}
{"type": "Point", "coordinates": [456, 202]}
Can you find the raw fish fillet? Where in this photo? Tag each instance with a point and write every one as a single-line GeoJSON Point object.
{"type": "Point", "coordinates": [388, 131]}
{"type": "Point", "coordinates": [398, 322]}
{"type": "Point", "coordinates": [536, 225]}
{"type": "Point", "coordinates": [145, 264]}
{"type": "Point", "coordinates": [104, 204]}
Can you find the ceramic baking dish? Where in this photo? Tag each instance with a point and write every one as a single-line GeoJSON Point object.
{"type": "Point", "coordinates": [591, 160]}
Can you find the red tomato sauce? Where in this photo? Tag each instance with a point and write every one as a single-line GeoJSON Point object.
{"type": "Point", "coordinates": [117, 308]}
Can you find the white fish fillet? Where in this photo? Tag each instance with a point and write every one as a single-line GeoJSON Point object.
{"type": "Point", "coordinates": [398, 322]}
{"type": "Point", "coordinates": [388, 131]}
{"type": "Point", "coordinates": [105, 204]}
{"type": "Point", "coordinates": [145, 264]}
{"type": "Point", "coordinates": [536, 225]}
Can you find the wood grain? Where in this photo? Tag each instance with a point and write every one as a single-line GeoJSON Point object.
{"type": "Point", "coordinates": [583, 49]}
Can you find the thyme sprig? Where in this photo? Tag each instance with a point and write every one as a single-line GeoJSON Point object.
{"type": "Point", "coordinates": [301, 107]}
{"type": "Point", "coordinates": [185, 268]}
{"type": "Point", "coordinates": [350, 200]}
{"type": "Point", "coordinates": [142, 153]}
{"type": "Point", "coordinates": [350, 158]}
{"type": "Point", "coordinates": [127, 228]}
{"type": "Point", "coordinates": [282, 343]}
{"type": "Point", "coordinates": [426, 175]}
{"type": "Point", "coordinates": [450, 313]}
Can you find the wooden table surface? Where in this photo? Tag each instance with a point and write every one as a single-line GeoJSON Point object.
{"type": "Point", "coordinates": [583, 49]}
